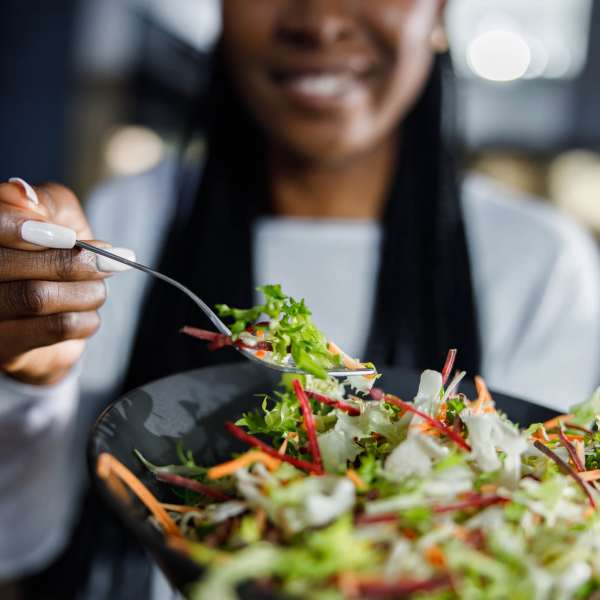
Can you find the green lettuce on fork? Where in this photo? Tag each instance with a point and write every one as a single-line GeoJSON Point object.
{"type": "Point", "coordinates": [364, 495]}
{"type": "Point", "coordinates": [278, 328]}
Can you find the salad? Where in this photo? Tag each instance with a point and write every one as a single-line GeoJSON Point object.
{"type": "Point", "coordinates": [347, 491]}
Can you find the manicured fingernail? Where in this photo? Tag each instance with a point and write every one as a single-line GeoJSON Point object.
{"type": "Point", "coordinates": [29, 191]}
{"type": "Point", "coordinates": [107, 265]}
{"type": "Point", "coordinates": [48, 235]}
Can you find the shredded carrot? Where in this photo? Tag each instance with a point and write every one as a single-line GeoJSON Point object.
{"type": "Point", "coordinates": [350, 363]}
{"type": "Point", "coordinates": [117, 488]}
{"type": "Point", "coordinates": [283, 448]}
{"type": "Point", "coordinates": [260, 354]}
{"type": "Point", "coordinates": [292, 436]}
{"type": "Point", "coordinates": [541, 434]}
{"type": "Point", "coordinates": [556, 421]}
{"type": "Point", "coordinates": [556, 436]}
{"type": "Point", "coordinates": [484, 398]}
{"type": "Point", "coordinates": [442, 412]}
{"type": "Point", "coordinates": [250, 457]}
{"type": "Point", "coordinates": [260, 333]}
{"type": "Point", "coordinates": [409, 533]}
{"type": "Point", "coordinates": [179, 543]}
{"type": "Point", "coordinates": [108, 464]}
{"type": "Point", "coordinates": [435, 556]}
{"type": "Point", "coordinates": [347, 361]}
{"type": "Point", "coordinates": [590, 475]}
{"type": "Point", "coordinates": [355, 478]}
{"type": "Point", "coordinates": [488, 488]}
{"type": "Point", "coordinates": [427, 429]}
{"type": "Point", "coordinates": [348, 584]}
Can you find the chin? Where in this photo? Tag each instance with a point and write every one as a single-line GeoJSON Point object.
{"type": "Point", "coordinates": [325, 146]}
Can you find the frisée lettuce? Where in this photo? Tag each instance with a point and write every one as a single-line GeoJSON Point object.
{"type": "Point", "coordinates": [360, 494]}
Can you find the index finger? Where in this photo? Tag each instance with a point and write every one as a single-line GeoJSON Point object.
{"type": "Point", "coordinates": [28, 225]}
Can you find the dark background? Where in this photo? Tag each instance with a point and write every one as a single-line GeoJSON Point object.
{"type": "Point", "coordinates": [94, 88]}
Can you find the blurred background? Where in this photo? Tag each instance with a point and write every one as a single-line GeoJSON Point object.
{"type": "Point", "coordinates": [93, 88]}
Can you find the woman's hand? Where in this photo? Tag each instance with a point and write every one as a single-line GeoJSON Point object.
{"type": "Point", "coordinates": [48, 297]}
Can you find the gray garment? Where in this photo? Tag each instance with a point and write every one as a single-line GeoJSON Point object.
{"type": "Point", "coordinates": [537, 284]}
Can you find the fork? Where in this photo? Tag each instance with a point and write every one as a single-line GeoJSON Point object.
{"type": "Point", "coordinates": [289, 367]}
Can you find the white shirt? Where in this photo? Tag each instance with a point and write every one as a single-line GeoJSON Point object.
{"type": "Point", "coordinates": [537, 284]}
{"type": "Point", "coordinates": [332, 264]}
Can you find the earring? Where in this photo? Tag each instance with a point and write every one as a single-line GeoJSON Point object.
{"type": "Point", "coordinates": [439, 40]}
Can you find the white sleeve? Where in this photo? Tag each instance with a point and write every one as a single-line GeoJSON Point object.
{"type": "Point", "coordinates": [554, 356]}
{"type": "Point", "coordinates": [562, 343]}
{"type": "Point", "coordinates": [536, 276]}
{"type": "Point", "coordinates": [37, 426]}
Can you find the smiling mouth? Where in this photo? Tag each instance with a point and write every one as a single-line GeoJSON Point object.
{"type": "Point", "coordinates": [322, 89]}
{"type": "Point", "coordinates": [325, 85]}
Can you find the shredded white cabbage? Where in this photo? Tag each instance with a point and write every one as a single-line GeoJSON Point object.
{"type": "Point", "coordinates": [429, 398]}
{"type": "Point", "coordinates": [488, 433]}
{"type": "Point", "coordinates": [414, 456]}
{"type": "Point", "coordinates": [336, 449]}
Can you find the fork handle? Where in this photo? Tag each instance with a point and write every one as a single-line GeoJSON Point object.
{"type": "Point", "coordinates": [136, 265]}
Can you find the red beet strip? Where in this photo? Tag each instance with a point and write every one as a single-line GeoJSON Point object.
{"type": "Point", "coordinates": [401, 588]}
{"type": "Point", "coordinates": [220, 340]}
{"type": "Point", "coordinates": [258, 346]}
{"type": "Point", "coordinates": [193, 485]}
{"type": "Point", "coordinates": [566, 469]}
{"type": "Point", "coordinates": [309, 424]}
{"type": "Point", "coordinates": [208, 336]}
{"type": "Point", "coordinates": [351, 410]}
{"type": "Point", "coordinates": [217, 340]}
{"type": "Point", "coordinates": [380, 518]}
{"type": "Point", "coordinates": [571, 450]}
{"type": "Point", "coordinates": [479, 502]}
{"type": "Point", "coordinates": [240, 434]}
{"type": "Point", "coordinates": [474, 502]}
{"type": "Point", "coordinates": [449, 365]}
{"type": "Point", "coordinates": [578, 428]}
{"type": "Point", "coordinates": [449, 433]}
{"type": "Point", "coordinates": [377, 394]}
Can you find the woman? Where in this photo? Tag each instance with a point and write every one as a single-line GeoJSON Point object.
{"type": "Point", "coordinates": [326, 171]}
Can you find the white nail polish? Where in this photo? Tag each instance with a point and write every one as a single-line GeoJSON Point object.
{"type": "Point", "coordinates": [107, 265]}
{"type": "Point", "coordinates": [29, 191]}
{"type": "Point", "coordinates": [48, 235]}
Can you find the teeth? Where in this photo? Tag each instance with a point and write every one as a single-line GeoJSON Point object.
{"type": "Point", "coordinates": [321, 85]}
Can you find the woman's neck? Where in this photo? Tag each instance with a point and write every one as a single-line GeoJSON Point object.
{"type": "Point", "coordinates": [356, 189]}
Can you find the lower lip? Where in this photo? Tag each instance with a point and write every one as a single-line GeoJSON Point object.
{"type": "Point", "coordinates": [347, 96]}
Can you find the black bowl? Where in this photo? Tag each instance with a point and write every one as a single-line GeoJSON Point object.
{"type": "Point", "coordinates": [192, 407]}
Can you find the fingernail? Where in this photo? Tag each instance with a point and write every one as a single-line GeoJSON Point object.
{"type": "Point", "coordinates": [29, 191]}
{"type": "Point", "coordinates": [48, 235]}
{"type": "Point", "coordinates": [107, 265]}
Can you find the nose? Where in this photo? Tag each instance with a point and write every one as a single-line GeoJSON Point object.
{"type": "Point", "coordinates": [314, 23]}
